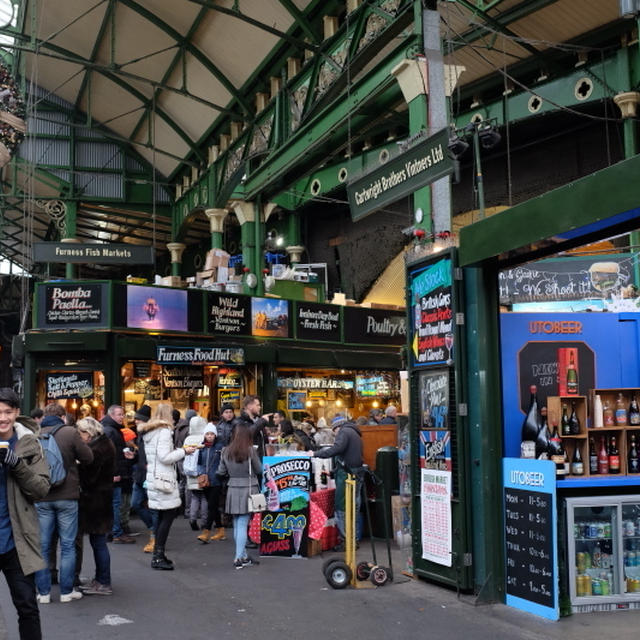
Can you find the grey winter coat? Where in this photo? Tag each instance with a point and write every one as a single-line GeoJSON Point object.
{"type": "Point", "coordinates": [240, 485]}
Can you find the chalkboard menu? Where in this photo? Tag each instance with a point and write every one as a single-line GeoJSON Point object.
{"type": "Point", "coordinates": [530, 535]}
{"type": "Point", "coordinates": [432, 318]}
{"type": "Point", "coordinates": [69, 385]}
{"type": "Point", "coordinates": [434, 399]}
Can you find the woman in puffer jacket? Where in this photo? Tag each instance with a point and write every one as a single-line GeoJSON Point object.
{"type": "Point", "coordinates": [162, 482]}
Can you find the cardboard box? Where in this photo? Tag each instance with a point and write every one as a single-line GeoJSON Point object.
{"type": "Point", "coordinates": [172, 281]}
{"type": "Point", "coordinates": [216, 258]}
{"type": "Point", "coordinates": [314, 547]}
{"type": "Point", "coordinates": [208, 274]}
{"type": "Point", "coordinates": [223, 274]}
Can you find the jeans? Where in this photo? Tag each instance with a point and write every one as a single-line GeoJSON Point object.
{"type": "Point", "coordinates": [240, 524]}
{"type": "Point", "coordinates": [138, 504]}
{"type": "Point", "coordinates": [60, 516]}
{"type": "Point", "coordinates": [340, 509]}
{"type": "Point", "coordinates": [117, 530]}
{"type": "Point", "coordinates": [165, 520]}
{"type": "Point", "coordinates": [125, 508]}
{"type": "Point", "coordinates": [98, 542]}
{"type": "Point", "coordinates": [213, 506]}
{"type": "Point", "coordinates": [198, 506]}
{"type": "Point", "coordinates": [23, 594]}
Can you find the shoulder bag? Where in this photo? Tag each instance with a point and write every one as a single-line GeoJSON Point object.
{"type": "Point", "coordinates": [162, 483]}
{"type": "Point", "coordinates": [257, 501]}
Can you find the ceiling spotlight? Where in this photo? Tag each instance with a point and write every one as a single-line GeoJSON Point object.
{"type": "Point", "coordinates": [488, 136]}
{"type": "Point", "coordinates": [457, 146]}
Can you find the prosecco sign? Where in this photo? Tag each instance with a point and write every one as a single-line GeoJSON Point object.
{"type": "Point", "coordinates": [417, 167]}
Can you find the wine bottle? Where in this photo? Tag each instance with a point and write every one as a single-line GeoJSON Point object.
{"type": "Point", "coordinates": [574, 423]}
{"type": "Point", "coordinates": [634, 462]}
{"type": "Point", "coordinates": [614, 457]}
{"type": "Point", "coordinates": [566, 429]}
{"type": "Point", "coordinates": [621, 412]}
{"type": "Point", "coordinates": [530, 426]}
{"type": "Point", "coordinates": [603, 458]}
{"type": "Point", "coordinates": [542, 440]}
{"type": "Point", "coordinates": [572, 377]}
{"type": "Point", "coordinates": [634, 412]}
{"type": "Point", "coordinates": [593, 457]}
{"type": "Point", "coordinates": [577, 464]}
{"type": "Point", "coordinates": [555, 451]}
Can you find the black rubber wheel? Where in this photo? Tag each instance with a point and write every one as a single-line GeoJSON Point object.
{"type": "Point", "coordinates": [363, 571]}
{"type": "Point", "coordinates": [329, 561]}
{"type": "Point", "coordinates": [338, 574]}
{"type": "Point", "coordinates": [379, 576]}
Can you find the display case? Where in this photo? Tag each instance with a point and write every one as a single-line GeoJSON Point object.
{"type": "Point", "coordinates": [604, 552]}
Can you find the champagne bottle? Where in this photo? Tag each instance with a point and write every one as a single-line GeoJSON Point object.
{"type": "Point", "coordinates": [542, 440]}
{"type": "Point", "coordinates": [572, 377]}
{"type": "Point", "coordinates": [634, 412]}
{"type": "Point", "coordinates": [566, 429]}
{"type": "Point", "coordinates": [577, 464]}
{"type": "Point", "coordinates": [593, 457]}
{"type": "Point", "coordinates": [621, 412]}
{"type": "Point", "coordinates": [603, 458]}
{"type": "Point", "coordinates": [614, 457]}
{"type": "Point", "coordinates": [530, 426]}
{"type": "Point", "coordinates": [574, 423]}
{"type": "Point", "coordinates": [555, 451]}
{"type": "Point", "coordinates": [634, 462]}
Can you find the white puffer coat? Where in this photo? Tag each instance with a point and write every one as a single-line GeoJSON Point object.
{"type": "Point", "coordinates": [161, 462]}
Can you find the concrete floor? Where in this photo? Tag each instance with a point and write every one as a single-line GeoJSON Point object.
{"type": "Point", "coordinates": [206, 598]}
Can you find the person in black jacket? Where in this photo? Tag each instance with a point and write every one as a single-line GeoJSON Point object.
{"type": "Point", "coordinates": [226, 424]}
{"type": "Point", "coordinates": [251, 408]}
{"type": "Point", "coordinates": [347, 449]}
{"type": "Point", "coordinates": [112, 424]}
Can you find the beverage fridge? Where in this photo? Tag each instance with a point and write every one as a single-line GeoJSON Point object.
{"type": "Point", "coordinates": [604, 552]}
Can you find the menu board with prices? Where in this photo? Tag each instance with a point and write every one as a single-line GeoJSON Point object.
{"type": "Point", "coordinates": [432, 318]}
{"type": "Point", "coordinates": [435, 501]}
{"type": "Point", "coordinates": [530, 536]}
{"type": "Point", "coordinates": [78, 305]}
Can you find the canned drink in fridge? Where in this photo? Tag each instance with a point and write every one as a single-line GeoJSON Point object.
{"type": "Point", "coordinates": [581, 561]}
{"type": "Point", "coordinates": [592, 530]}
{"type": "Point", "coordinates": [633, 559]}
{"type": "Point", "coordinates": [600, 529]}
{"type": "Point", "coordinates": [629, 528]}
{"type": "Point", "coordinates": [605, 587]}
{"type": "Point", "coordinates": [580, 586]}
{"type": "Point", "coordinates": [607, 529]}
{"type": "Point", "coordinates": [596, 587]}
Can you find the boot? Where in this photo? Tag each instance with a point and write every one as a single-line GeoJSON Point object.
{"type": "Point", "coordinates": [148, 548]}
{"type": "Point", "coordinates": [160, 561]}
{"type": "Point", "coordinates": [194, 525]}
{"type": "Point", "coordinates": [219, 534]}
{"type": "Point", "coordinates": [204, 536]}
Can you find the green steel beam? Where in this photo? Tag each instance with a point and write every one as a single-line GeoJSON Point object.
{"type": "Point", "coordinates": [530, 226]}
{"type": "Point", "coordinates": [106, 19]}
{"type": "Point", "coordinates": [301, 19]}
{"type": "Point", "coordinates": [192, 49]}
{"type": "Point", "coordinates": [319, 129]}
{"type": "Point", "coordinates": [236, 13]}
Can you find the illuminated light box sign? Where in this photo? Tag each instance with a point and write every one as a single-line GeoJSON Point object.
{"type": "Point", "coordinates": [182, 377]}
{"type": "Point", "coordinates": [157, 309]}
{"type": "Point", "coordinates": [199, 355]}
{"type": "Point", "coordinates": [72, 306]}
{"type": "Point", "coordinates": [269, 317]}
{"type": "Point", "coordinates": [69, 385]}
{"type": "Point", "coordinates": [315, 383]}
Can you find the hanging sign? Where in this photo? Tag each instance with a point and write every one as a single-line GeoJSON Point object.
{"type": "Point", "coordinates": [315, 383]}
{"type": "Point", "coordinates": [285, 523]}
{"type": "Point", "coordinates": [92, 253]}
{"type": "Point", "coordinates": [71, 306]}
{"type": "Point", "coordinates": [199, 355]}
{"type": "Point", "coordinates": [422, 164]}
{"type": "Point", "coordinates": [432, 317]}
{"type": "Point", "coordinates": [317, 321]}
{"type": "Point", "coordinates": [374, 326]}
{"type": "Point", "coordinates": [69, 385]}
{"type": "Point", "coordinates": [179, 377]}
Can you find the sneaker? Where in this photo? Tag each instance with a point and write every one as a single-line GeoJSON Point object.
{"type": "Point", "coordinates": [97, 589]}
{"type": "Point", "coordinates": [68, 597]}
{"type": "Point", "coordinates": [43, 599]}
{"type": "Point", "coordinates": [124, 539]}
{"type": "Point", "coordinates": [248, 561]}
{"type": "Point", "coordinates": [87, 585]}
{"type": "Point", "coordinates": [251, 545]}
{"type": "Point", "coordinates": [238, 564]}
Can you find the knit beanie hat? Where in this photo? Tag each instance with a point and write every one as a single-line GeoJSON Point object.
{"type": "Point", "coordinates": [143, 413]}
{"type": "Point", "coordinates": [225, 406]}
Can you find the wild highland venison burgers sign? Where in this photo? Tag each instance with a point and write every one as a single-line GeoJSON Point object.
{"type": "Point", "coordinates": [417, 167]}
{"type": "Point", "coordinates": [230, 314]}
{"type": "Point", "coordinates": [374, 326]}
{"type": "Point", "coordinates": [72, 305]}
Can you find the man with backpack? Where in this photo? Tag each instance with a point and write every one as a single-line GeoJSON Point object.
{"type": "Point", "coordinates": [58, 511]}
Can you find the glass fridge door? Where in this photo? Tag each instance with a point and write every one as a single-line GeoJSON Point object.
{"type": "Point", "coordinates": [595, 529]}
{"type": "Point", "coordinates": [631, 546]}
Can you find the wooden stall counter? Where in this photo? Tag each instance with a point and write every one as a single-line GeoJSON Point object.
{"type": "Point", "coordinates": [375, 436]}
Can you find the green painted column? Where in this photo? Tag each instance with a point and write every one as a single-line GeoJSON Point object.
{"type": "Point", "coordinates": [216, 226]}
{"type": "Point", "coordinates": [247, 238]}
{"type": "Point", "coordinates": [259, 245]}
{"type": "Point", "coordinates": [70, 234]}
{"type": "Point", "coordinates": [176, 249]}
{"type": "Point", "coordinates": [485, 430]}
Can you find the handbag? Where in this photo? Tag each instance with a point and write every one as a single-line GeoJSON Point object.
{"type": "Point", "coordinates": [203, 481]}
{"type": "Point", "coordinates": [257, 502]}
{"type": "Point", "coordinates": [163, 484]}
